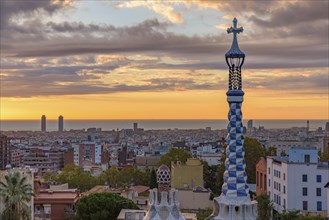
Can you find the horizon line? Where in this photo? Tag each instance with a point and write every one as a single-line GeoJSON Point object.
{"type": "Point", "coordinates": [166, 119]}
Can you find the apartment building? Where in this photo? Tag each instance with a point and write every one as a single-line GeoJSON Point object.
{"type": "Point", "coordinates": [296, 182]}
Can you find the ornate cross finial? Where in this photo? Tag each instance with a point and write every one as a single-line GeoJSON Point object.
{"type": "Point", "coordinates": [234, 29]}
{"type": "Point", "coordinates": [235, 51]}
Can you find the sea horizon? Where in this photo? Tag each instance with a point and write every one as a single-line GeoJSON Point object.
{"type": "Point", "coordinates": [153, 124]}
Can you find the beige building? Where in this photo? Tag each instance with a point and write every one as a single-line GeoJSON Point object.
{"type": "Point", "coordinates": [188, 175]}
{"type": "Point", "coordinates": [194, 199]}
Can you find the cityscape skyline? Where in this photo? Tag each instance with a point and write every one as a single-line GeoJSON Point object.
{"type": "Point", "coordinates": [163, 60]}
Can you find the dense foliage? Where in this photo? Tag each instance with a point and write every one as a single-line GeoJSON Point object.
{"type": "Point", "coordinates": [153, 180]}
{"type": "Point", "coordinates": [296, 215]}
{"type": "Point", "coordinates": [264, 207]}
{"type": "Point", "coordinates": [174, 154]}
{"type": "Point", "coordinates": [113, 177]}
{"type": "Point", "coordinates": [254, 151]}
{"type": "Point", "coordinates": [324, 155]}
{"type": "Point", "coordinates": [15, 193]}
{"type": "Point", "coordinates": [203, 214]}
{"type": "Point", "coordinates": [212, 178]}
{"type": "Point", "coordinates": [102, 206]}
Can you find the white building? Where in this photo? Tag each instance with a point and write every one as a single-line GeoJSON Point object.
{"type": "Point", "coordinates": [284, 146]}
{"type": "Point", "coordinates": [296, 182]}
{"type": "Point", "coordinates": [211, 158]}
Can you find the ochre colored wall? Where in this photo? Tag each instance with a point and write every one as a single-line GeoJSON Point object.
{"type": "Point", "coordinates": [190, 173]}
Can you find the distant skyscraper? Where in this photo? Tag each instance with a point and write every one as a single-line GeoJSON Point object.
{"type": "Point", "coordinates": [234, 203]}
{"type": "Point", "coordinates": [135, 126]}
{"type": "Point", "coordinates": [327, 126]}
{"type": "Point", "coordinates": [60, 123]}
{"type": "Point", "coordinates": [43, 123]}
{"type": "Point", "coordinates": [4, 152]}
{"type": "Point", "coordinates": [308, 125]}
{"type": "Point", "coordinates": [250, 124]}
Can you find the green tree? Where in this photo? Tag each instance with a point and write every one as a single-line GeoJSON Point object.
{"type": "Point", "coordinates": [270, 151]}
{"type": "Point", "coordinates": [76, 178]}
{"type": "Point", "coordinates": [112, 176]}
{"type": "Point", "coordinates": [203, 213]}
{"type": "Point", "coordinates": [102, 206]}
{"type": "Point", "coordinates": [153, 180]}
{"type": "Point", "coordinates": [264, 206]}
{"type": "Point", "coordinates": [253, 152]}
{"type": "Point", "coordinates": [15, 193]}
{"type": "Point", "coordinates": [211, 178]}
{"type": "Point", "coordinates": [288, 215]}
{"type": "Point", "coordinates": [174, 154]}
{"type": "Point", "coordinates": [50, 177]}
{"type": "Point", "coordinates": [324, 156]}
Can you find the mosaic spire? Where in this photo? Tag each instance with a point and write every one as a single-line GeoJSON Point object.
{"type": "Point", "coordinates": [234, 203]}
{"type": "Point", "coordinates": [235, 177]}
{"type": "Point", "coordinates": [163, 203]}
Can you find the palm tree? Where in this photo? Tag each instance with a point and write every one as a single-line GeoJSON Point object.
{"type": "Point", "coordinates": [15, 193]}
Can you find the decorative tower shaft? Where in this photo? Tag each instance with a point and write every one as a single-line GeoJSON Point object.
{"type": "Point", "coordinates": [234, 203]}
{"type": "Point", "coordinates": [235, 177]}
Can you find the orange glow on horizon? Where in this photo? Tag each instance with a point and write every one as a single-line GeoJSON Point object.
{"type": "Point", "coordinates": [203, 104]}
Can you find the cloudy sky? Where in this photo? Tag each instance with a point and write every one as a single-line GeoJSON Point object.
{"type": "Point", "coordinates": [152, 59]}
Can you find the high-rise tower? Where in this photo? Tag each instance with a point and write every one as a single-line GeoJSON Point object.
{"type": "Point", "coordinates": [234, 203]}
{"type": "Point", "coordinates": [43, 123]}
{"type": "Point", "coordinates": [4, 151]}
{"type": "Point", "coordinates": [60, 123]}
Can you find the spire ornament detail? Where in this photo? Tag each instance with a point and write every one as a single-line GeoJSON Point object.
{"type": "Point", "coordinates": [234, 203]}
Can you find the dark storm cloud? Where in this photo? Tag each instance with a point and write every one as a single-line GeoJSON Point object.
{"type": "Point", "coordinates": [141, 28]}
{"type": "Point", "coordinates": [294, 13]}
{"type": "Point", "coordinates": [293, 36]}
{"type": "Point", "coordinates": [68, 84]}
{"type": "Point", "coordinates": [9, 8]}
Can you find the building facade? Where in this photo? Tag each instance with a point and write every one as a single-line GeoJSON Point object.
{"type": "Point", "coordinates": [188, 175]}
{"type": "Point", "coordinates": [261, 176]}
{"type": "Point", "coordinates": [16, 157]}
{"type": "Point", "coordinates": [296, 182]}
{"type": "Point", "coordinates": [54, 204]}
{"type": "Point", "coordinates": [87, 151]}
{"type": "Point", "coordinates": [43, 123]}
{"type": "Point", "coordinates": [45, 159]}
{"type": "Point", "coordinates": [60, 123]}
{"type": "Point", "coordinates": [4, 151]}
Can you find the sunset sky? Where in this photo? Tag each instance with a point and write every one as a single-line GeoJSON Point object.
{"type": "Point", "coordinates": [161, 59]}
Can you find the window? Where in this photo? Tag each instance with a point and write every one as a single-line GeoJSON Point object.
{"type": "Point", "coordinates": [284, 189]}
{"type": "Point", "coordinates": [304, 178]}
{"type": "Point", "coordinates": [269, 171]}
{"type": "Point", "coordinates": [318, 178]}
{"type": "Point", "coordinates": [304, 191]}
{"type": "Point", "coordinates": [305, 205]}
{"type": "Point", "coordinates": [319, 206]}
{"type": "Point", "coordinates": [284, 176]}
{"type": "Point", "coordinates": [306, 158]}
{"type": "Point", "coordinates": [269, 182]}
{"type": "Point", "coordinates": [318, 191]}
{"type": "Point", "coordinates": [257, 178]}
